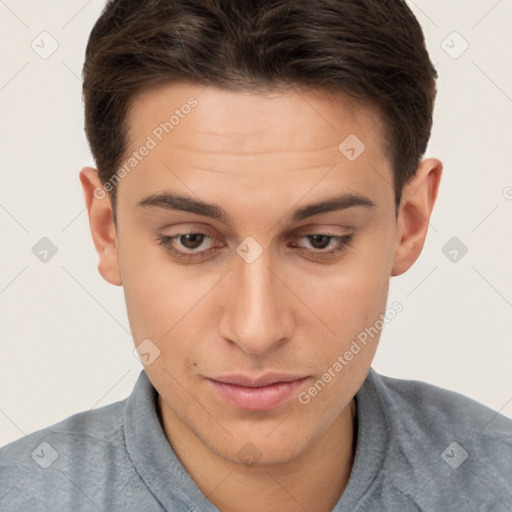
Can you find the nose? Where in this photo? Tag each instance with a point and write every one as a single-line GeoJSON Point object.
{"type": "Point", "coordinates": [256, 315]}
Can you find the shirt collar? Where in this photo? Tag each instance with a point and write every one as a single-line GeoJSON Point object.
{"type": "Point", "coordinates": [153, 456]}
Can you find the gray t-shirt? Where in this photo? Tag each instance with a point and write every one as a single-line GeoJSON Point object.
{"type": "Point", "coordinates": [419, 447]}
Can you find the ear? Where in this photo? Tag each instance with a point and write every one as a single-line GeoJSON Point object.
{"type": "Point", "coordinates": [418, 199]}
{"type": "Point", "coordinates": [102, 226]}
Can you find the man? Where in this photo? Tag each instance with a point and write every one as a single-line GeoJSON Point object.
{"type": "Point", "coordinates": [259, 180]}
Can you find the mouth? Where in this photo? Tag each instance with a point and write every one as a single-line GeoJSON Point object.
{"type": "Point", "coordinates": [261, 393]}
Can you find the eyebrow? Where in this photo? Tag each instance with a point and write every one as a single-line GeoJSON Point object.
{"type": "Point", "coordinates": [179, 202]}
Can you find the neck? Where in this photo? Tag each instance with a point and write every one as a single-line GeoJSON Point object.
{"type": "Point", "coordinates": [313, 480]}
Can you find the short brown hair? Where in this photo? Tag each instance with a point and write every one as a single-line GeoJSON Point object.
{"type": "Point", "coordinates": [372, 50]}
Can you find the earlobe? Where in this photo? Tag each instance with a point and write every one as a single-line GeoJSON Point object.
{"type": "Point", "coordinates": [102, 226]}
{"type": "Point", "coordinates": [418, 200]}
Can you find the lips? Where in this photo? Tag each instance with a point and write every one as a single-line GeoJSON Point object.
{"type": "Point", "coordinates": [255, 382]}
{"type": "Point", "coordinates": [260, 393]}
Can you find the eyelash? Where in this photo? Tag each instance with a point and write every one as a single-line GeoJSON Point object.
{"type": "Point", "coordinates": [166, 241]}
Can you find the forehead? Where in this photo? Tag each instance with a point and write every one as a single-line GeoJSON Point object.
{"type": "Point", "coordinates": [248, 120]}
{"type": "Point", "coordinates": [207, 140]}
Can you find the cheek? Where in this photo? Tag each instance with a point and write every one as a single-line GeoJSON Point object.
{"type": "Point", "coordinates": [351, 307]}
{"type": "Point", "coordinates": [148, 308]}
{"type": "Point", "coordinates": [350, 297]}
{"type": "Point", "coordinates": [161, 299]}
{"type": "Point", "coordinates": [154, 293]}
{"type": "Point", "coordinates": [157, 309]}
{"type": "Point", "coordinates": [350, 301]}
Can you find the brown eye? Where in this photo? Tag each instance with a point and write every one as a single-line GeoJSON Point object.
{"type": "Point", "coordinates": [191, 240]}
{"type": "Point", "coordinates": [320, 241]}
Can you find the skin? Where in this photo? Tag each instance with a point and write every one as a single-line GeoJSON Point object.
{"type": "Point", "coordinates": [258, 156]}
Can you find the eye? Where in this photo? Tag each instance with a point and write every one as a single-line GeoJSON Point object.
{"type": "Point", "coordinates": [192, 241]}
{"type": "Point", "coordinates": [320, 241]}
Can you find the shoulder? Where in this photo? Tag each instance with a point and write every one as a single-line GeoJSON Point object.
{"type": "Point", "coordinates": [63, 456]}
{"type": "Point", "coordinates": [73, 433]}
{"type": "Point", "coordinates": [438, 409]}
{"type": "Point", "coordinates": [444, 447]}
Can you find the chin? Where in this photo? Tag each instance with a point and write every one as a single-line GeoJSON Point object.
{"type": "Point", "coordinates": [262, 448]}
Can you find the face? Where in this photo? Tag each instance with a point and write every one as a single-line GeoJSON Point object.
{"type": "Point", "coordinates": [251, 302]}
